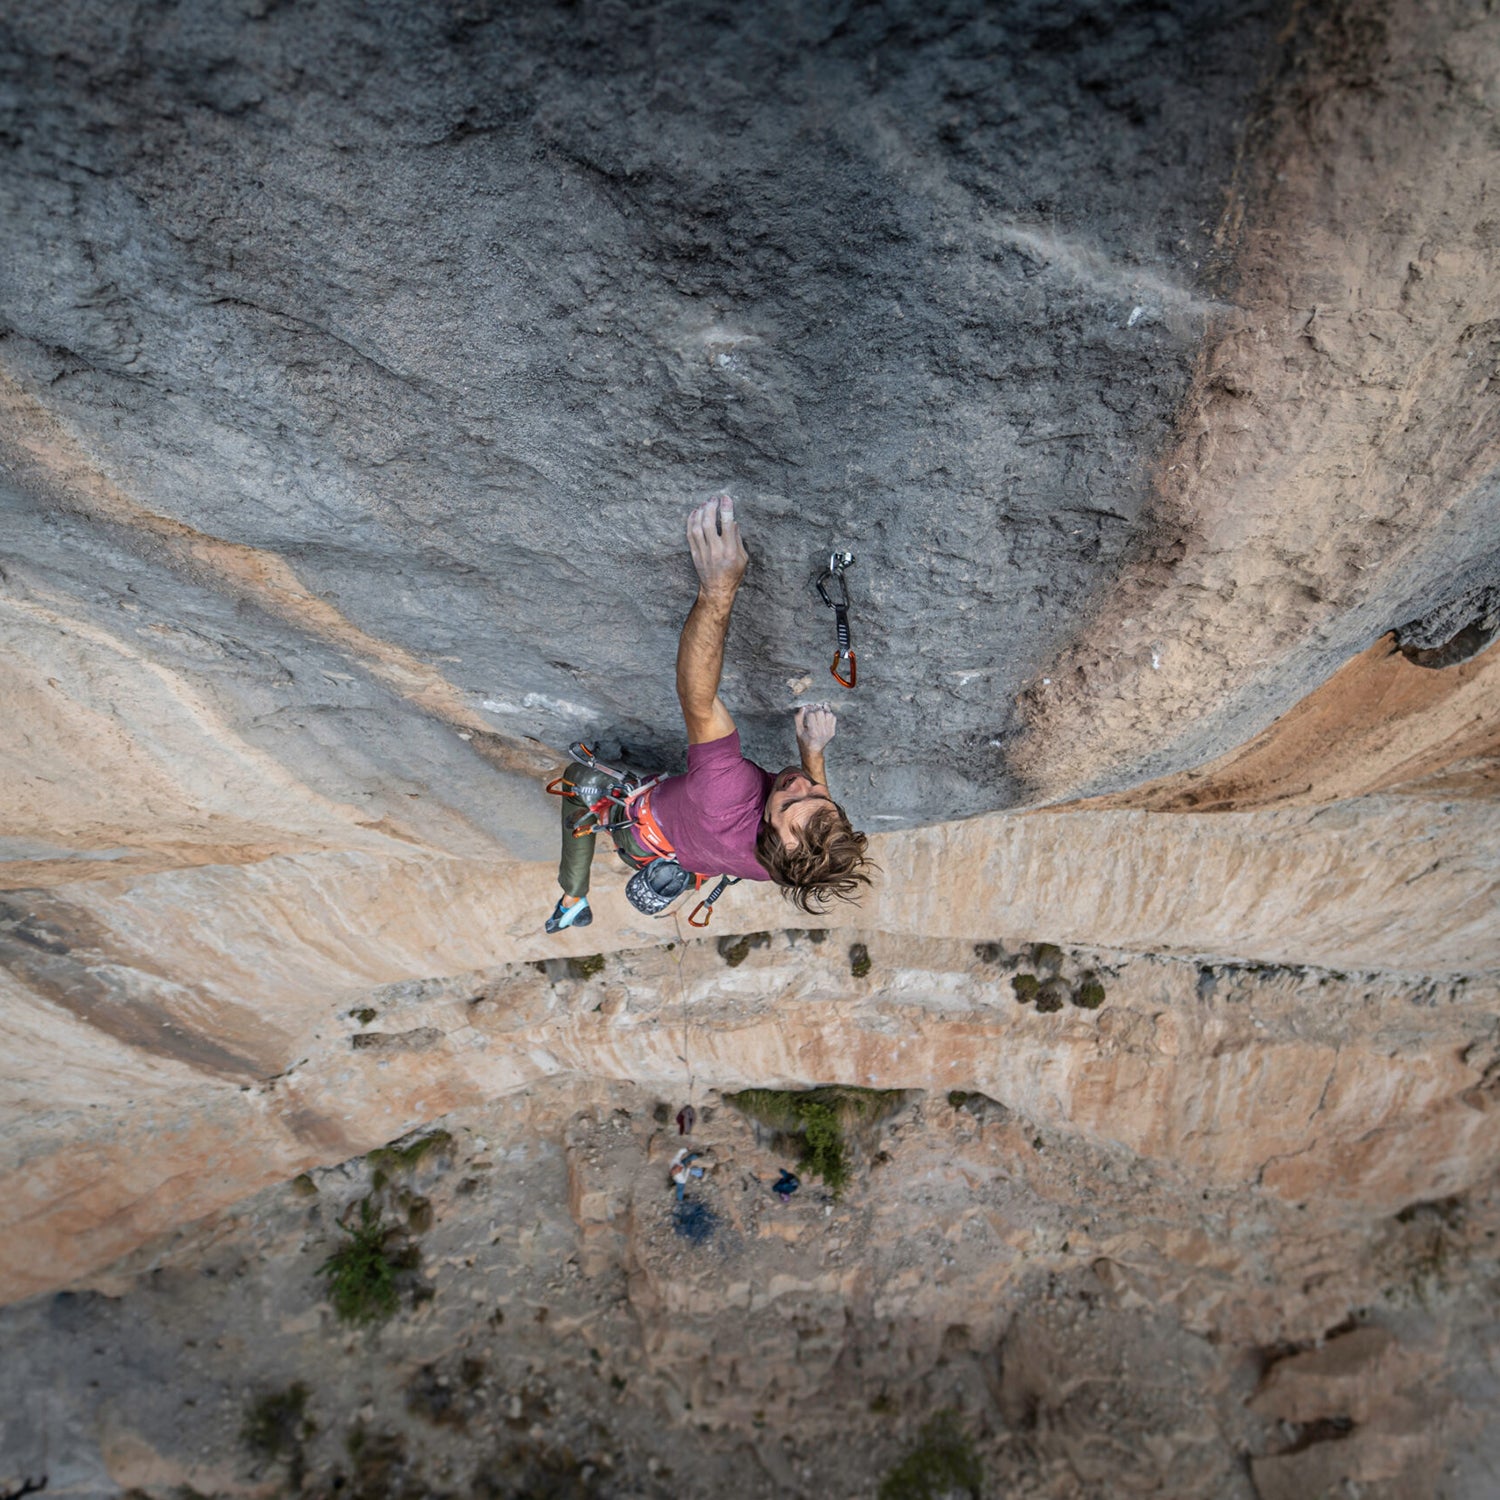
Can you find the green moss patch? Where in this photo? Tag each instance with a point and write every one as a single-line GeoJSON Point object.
{"type": "Point", "coordinates": [1025, 986]}
{"type": "Point", "coordinates": [1090, 992]}
{"type": "Point", "coordinates": [586, 967]}
{"type": "Point", "coordinates": [942, 1464]}
{"type": "Point", "coordinates": [734, 951]}
{"type": "Point", "coordinates": [407, 1156]}
{"type": "Point", "coordinates": [859, 960]}
{"type": "Point", "coordinates": [277, 1421]}
{"type": "Point", "coordinates": [820, 1123]}
{"type": "Point", "coordinates": [1046, 956]}
{"type": "Point", "coordinates": [276, 1426]}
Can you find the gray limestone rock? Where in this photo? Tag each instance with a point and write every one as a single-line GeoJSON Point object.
{"type": "Point", "coordinates": [457, 308]}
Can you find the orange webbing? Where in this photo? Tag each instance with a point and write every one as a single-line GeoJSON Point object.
{"type": "Point", "coordinates": [647, 829]}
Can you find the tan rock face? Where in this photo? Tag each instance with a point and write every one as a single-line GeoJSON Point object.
{"type": "Point", "coordinates": [275, 859]}
{"type": "Point", "coordinates": [1092, 1320]}
{"type": "Point", "coordinates": [1340, 1094]}
{"type": "Point", "coordinates": [1347, 407]}
{"type": "Point", "coordinates": [1347, 1378]}
{"type": "Point", "coordinates": [1382, 1399]}
{"type": "Point", "coordinates": [1380, 722]}
{"type": "Point", "coordinates": [211, 870]}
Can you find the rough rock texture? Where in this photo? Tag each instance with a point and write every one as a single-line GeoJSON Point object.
{"type": "Point", "coordinates": [1344, 421]}
{"type": "Point", "coordinates": [448, 312]}
{"type": "Point", "coordinates": [456, 309]}
{"type": "Point", "coordinates": [357, 365]}
{"type": "Point", "coordinates": [254, 1082]}
{"type": "Point", "coordinates": [130, 1027]}
{"type": "Point", "coordinates": [1098, 1323]}
{"type": "Point", "coordinates": [1381, 722]}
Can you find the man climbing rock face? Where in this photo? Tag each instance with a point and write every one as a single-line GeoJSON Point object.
{"type": "Point", "coordinates": [726, 815]}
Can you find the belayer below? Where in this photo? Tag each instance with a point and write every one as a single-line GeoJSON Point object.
{"type": "Point", "coordinates": [725, 816]}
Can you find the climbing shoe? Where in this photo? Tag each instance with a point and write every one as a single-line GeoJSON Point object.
{"type": "Point", "coordinates": [577, 915]}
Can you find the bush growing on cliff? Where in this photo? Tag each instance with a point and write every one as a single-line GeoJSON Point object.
{"type": "Point", "coordinates": [1050, 996]}
{"type": "Point", "coordinates": [362, 1271]}
{"type": "Point", "coordinates": [1090, 992]}
{"type": "Point", "coordinates": [942, 1464]}
{"type": "Point", "coordinates": [1046, 956]}
{"type": "Point", "coordinates": [823, 1151]}
{"type": "Point", "coordinates": [734, 951]}
{"type": "Point", "coordinates": [819, 1122]}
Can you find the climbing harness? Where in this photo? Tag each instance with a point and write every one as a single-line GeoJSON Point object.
{"type": "Point", "coordinates": [602, 802]}
{"type": "Point", "coordinates": [625, 801]}
{"type": "Point", "coordinates": [837, 562]}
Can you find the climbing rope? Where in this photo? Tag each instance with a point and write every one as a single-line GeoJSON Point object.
{"type": "Point", "coordinates": [682, 1056]}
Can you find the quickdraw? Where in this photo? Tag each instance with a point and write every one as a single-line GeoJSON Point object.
{"type": "Point", "coordinates": [837, 562]}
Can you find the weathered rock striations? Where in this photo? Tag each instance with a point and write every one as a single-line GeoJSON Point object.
{"type": "Point", "coordinates": [379, 357]}
{"type": "Point", "coordinates": [1372, 1092]}
{"type": "Point", "coordinates": [1095, 1322]}
{"type": "Point", "coordinates": [356, 369]}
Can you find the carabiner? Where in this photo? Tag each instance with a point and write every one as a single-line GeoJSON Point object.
{"type": "Point", "coordinates": [706, 905]}
{"type": "Point", "coordinates": [853, 676]}
{"type": "Point", "coordinates": [837, 562]}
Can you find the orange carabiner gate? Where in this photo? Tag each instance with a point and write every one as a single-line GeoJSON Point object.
{"type": "Point", "coordinates": [706, 905]}
{"type": "Point", "coordinates": [850, 680]}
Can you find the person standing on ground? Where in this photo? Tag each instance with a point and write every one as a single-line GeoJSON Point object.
{"type": "Point", "coordinates": [726, 815]}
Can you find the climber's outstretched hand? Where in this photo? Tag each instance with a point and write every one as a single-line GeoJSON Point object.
{"type": "Point", "coordinates": [816, 725]}
{"type": "Point", "coordinates": [718, 553]}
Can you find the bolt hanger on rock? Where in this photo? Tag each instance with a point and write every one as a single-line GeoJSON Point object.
{"type": "Point", "coordinates": [834, 575]}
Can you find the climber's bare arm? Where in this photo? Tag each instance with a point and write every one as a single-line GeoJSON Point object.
{"type": "Point", "coordinates": [816, 725]}
{"type": "Point", "coordinates": [720, 559]}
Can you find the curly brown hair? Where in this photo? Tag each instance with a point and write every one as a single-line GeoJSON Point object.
{"type": "Point", "coordinates": [828, 863]}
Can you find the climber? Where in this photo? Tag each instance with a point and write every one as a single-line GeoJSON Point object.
{"type": "Point", "coordinates": [725, 815]}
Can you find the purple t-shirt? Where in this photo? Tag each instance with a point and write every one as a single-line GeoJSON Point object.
{"type": "Point", "coordinates": [712, 814]}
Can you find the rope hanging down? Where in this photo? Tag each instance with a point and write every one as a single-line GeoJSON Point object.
{"type": "Point", "coordinates": [844, 652]}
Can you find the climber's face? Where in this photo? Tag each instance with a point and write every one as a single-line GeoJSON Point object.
{"type": "Point", "coordinates": [795, 797]}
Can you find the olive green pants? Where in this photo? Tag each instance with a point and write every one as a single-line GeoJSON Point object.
{"type": "Point", "coordinates": [578, 851]}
